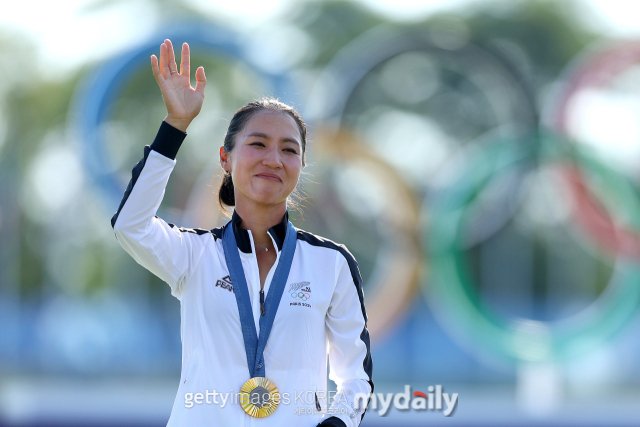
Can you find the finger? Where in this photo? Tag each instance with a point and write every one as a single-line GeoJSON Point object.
{"type": "Point", "coordinates": [185, 58]}
{"type": "Point", "coordinates": [172, 57]}
{"type": "Point", "coordinates": [201, 80]}
{"type": "Point", "coordinates": [164, 67]}
{"type": "Point", "coordinates": [156, 70]}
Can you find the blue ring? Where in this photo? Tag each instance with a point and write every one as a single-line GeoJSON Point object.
{"type": "Point", "coordinates": [93, 100]}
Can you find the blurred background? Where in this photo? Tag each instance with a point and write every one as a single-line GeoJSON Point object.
{"type": "Point", "coordinates": [481, 160]}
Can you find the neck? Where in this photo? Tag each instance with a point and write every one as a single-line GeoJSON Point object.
{"type": "Point", "coordinates": [260, 218]}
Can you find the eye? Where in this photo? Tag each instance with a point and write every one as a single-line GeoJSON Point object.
{"type": "Point", "coordinates": [257, 142]}
{"type": "Point", "coordinates": [291, 150]}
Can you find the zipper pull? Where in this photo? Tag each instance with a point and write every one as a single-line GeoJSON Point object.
{"type": "Point", "coordinates": [262, 302]}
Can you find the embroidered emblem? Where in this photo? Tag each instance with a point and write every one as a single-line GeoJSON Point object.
{"type": "Point", "coordinates": [225, 283]}
{"type": "Point", "coordinates": [300, 292]}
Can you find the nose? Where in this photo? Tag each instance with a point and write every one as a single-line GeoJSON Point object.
{"type": "Point", "coordinates": [272, 158]}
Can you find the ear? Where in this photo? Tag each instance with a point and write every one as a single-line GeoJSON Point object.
{"type": "Point", "coordinates": [224, 158]}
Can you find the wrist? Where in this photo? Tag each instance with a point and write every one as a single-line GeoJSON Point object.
{"type": "Point", "coordinates": [181, 124]}
{"type": "Point", "coordinates": [168, 140]}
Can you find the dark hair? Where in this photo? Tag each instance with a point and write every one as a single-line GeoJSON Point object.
{"type": "Point", "coordinates": [238, 122]}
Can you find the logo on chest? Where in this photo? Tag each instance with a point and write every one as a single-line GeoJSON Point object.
{"type": "Point", "coordinates": [300, 293]}
{"type": "Point", "coordinates": [225, 283]}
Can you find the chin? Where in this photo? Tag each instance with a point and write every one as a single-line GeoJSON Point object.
{"type": "Point", "coordinates": [267, 199]}
{"type": "Point", "coordinates": [266, 195]}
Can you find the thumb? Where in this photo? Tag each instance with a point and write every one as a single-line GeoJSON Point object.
{"type": "Point", "coordinates": [201, 80]}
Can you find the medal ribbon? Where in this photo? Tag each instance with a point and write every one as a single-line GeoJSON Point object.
{"type": "Point", "coordinates": [254, 345]}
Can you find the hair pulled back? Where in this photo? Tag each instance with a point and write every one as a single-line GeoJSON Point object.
{"type": "Point", "coordinates": [239, 120]}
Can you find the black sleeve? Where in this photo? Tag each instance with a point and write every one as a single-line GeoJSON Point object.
{"type": "Point", "coordinates": [168, 140]}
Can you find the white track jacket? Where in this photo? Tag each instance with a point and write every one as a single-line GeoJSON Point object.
{"type": "Point", "coordinates": [321, 311]}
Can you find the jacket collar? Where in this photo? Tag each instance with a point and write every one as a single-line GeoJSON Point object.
{"type": "Point", "coordinates": [278, 232]}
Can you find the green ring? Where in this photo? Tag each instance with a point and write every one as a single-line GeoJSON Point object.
{"type": "Point", "coordinates": [450, 287]}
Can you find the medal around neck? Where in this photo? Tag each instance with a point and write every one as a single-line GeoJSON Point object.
{"type": "Point", "coordinates": [259, 397]}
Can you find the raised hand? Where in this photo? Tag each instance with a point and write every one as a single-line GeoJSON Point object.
{"type": "Point", "coordinates": [182, 101]}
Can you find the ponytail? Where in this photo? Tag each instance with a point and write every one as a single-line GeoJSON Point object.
{"type": "Point", "coordinates": [226, 194]}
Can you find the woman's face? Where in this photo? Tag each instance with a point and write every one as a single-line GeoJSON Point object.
{"type": "Point", "coordinates": [266, 161]}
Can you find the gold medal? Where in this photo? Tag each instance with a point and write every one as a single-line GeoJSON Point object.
{"type": "Point", "coordinates": [259, 397]}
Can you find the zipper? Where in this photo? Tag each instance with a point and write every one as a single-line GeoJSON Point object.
{"type": "Point", "coordinates": [257, 274]}
{"type": "Point", "coordinates": [255, 257]}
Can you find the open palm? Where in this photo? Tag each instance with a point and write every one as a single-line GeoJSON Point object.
{"type": "Point", "coordinates": [182, 101]}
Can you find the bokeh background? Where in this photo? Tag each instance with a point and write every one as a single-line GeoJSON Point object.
{"type": "Point", "coordinates": [481, 159]}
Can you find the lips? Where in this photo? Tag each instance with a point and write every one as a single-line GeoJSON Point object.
{"type": "Point", "coordinates": [270, 176]}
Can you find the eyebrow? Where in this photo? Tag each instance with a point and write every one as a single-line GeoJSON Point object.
{"type": "Point", "coordinates": [265, 136]}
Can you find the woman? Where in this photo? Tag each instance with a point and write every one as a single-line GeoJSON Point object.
{"type": "Point", "coordinates": [262, 303]}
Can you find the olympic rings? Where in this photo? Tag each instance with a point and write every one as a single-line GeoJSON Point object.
{"type": "Point", "coordinates": [301, 296]}
{"type": "Point", "coordinates": [396, 267]}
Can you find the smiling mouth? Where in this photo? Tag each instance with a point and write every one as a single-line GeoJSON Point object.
{"type": "Point", "coordinates": [270, 178]}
